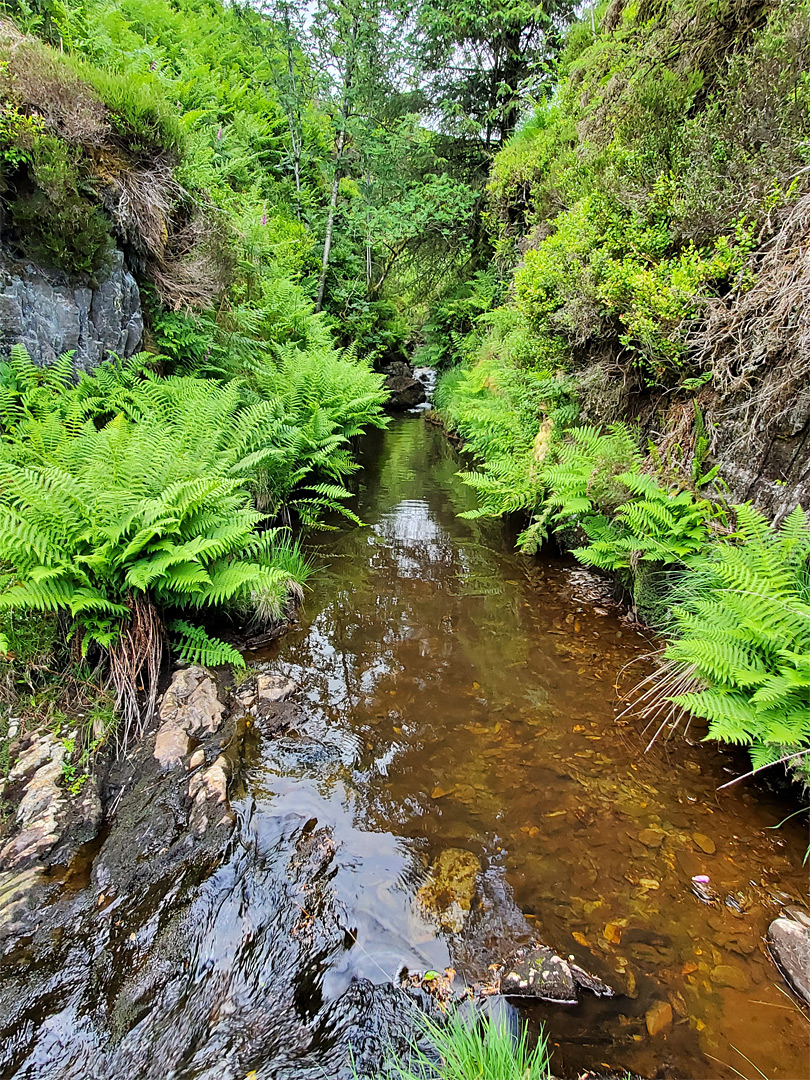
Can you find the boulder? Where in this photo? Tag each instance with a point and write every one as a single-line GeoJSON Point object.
{"type": "Point", "coordinates": [404, 391]}
{"type": "Point", "coordinates": [789, 945]}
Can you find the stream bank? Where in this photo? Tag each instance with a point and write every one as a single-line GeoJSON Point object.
{"type": "Point", "coordinates": [447, 782]}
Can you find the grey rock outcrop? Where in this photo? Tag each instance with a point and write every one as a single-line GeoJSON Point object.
{"type": "Point", "coordinates": [50, 312]}
{"type": "Point", "coordinates": [789, 945]}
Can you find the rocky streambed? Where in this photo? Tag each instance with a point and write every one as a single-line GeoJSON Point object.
{"type": "Point", "coordinates": [428, 777]}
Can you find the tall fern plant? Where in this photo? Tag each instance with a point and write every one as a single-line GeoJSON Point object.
{"type": "Point", "coordinates": [130, 527]}
{"type": "Point", "coordinates": [742, 638]}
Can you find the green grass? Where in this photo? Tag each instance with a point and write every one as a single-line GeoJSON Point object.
{"type": "Point", "coordinates": [484, 1050]}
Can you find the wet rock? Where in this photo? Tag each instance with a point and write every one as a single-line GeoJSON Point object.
{"type": "Point", "coordinates": [40, 808]}
{"type": "Point", "coordinates": [208, 789]}
{"type": "Point", "coordinates": [590, 982]}
{"type": "Point", "coordinates": [658, 1018]}
{"type": "Point", "coordinates": [728, 975]}
{"type": "Point", "coordinates": [49, 824]}
{"type": "Point", "coordinates": [705, 843]}
{"type": "Point", "coordinates": [16, 891]}
{"type": "Point", "coordinates": [273, 688]}
{"type": "Point", "coordinates": [404, 391]}
{"type": "Point", "coordinates": [448, 893]}
{"type": "Point", "coordinates": [190, 708]}
{"type": "Point", "coordinates": [196, 760]}
{"type": "Point", "coordinates": [789, 945]}
{"type": "Point", "coordinates": [540, 974]}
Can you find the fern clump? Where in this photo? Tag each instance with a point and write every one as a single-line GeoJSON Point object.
{"type": "Point", "coordinates": [742, 631]}
{"type": "Point", "coordinates": [127, 497]}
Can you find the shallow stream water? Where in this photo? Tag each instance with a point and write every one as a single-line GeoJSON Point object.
{"type": "Point", "coordinates": [456, 696]}
{"type": "Point", "coordinates": [481, 689]}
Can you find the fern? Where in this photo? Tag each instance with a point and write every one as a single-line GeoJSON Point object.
{"type": "Point", "coordinates": [195, 646]}
{"type": "Point", "coordinates": [742, 625]}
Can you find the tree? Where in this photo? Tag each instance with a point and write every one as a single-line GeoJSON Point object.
{"type": "Point", "coordinates": [483, 57]}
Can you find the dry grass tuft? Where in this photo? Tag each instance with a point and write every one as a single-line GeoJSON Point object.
{"type": "Point", "coordinates": [38, 82]}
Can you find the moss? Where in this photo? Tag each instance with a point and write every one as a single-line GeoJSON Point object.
{"type": "Point", "coordinates": [70, 234]}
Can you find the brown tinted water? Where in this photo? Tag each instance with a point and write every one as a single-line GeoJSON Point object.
{"type": "Point", "coordinates": [475, 690]}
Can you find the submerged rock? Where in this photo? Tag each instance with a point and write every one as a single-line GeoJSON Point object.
{"type": "Point", "coordinates": [538, 972]}
{"type": "Point", "coordinates": [658, 1018]}
{"type": "Point", "coordinates": [789, 945]}
{"type": "Point", "coordinates": [448, 893]}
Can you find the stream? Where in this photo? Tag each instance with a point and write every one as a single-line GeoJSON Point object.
{"type": "Point", "coordinates": [456, 697]}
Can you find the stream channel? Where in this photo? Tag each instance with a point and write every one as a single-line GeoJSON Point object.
{"type": "Point", "coordinates": [456, 697]}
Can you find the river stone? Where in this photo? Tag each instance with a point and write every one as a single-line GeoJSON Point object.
{"type": "Point", "coordinates": [652, 838]}
{"type": "Point", "coordinates": [190, 707]}
{"type": "Point", "coordinates": [705, 843]}
{"type": "Point", "coordinates": [272, 688]}
{"type": "Point", "coordinates": [658, 1018]}
{"type": "Point", "coordinates": [728, 975]}
{"type": "Point", "coordinates": [540, 973]}
{"type": "Point", "coordinates": [789, 945]}
{"type": "Point", "coordinates": [448, 893]}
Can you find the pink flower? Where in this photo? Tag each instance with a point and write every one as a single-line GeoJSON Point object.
{"type": "Point", "coordinates": [219, 134]}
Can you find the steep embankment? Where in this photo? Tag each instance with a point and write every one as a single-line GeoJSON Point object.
{"type": "Point", "coordinates": [650, 222]}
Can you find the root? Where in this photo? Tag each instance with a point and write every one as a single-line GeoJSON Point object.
{"type": "Point", "coordinates": [134, 661]}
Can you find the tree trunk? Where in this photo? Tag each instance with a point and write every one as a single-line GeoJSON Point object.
{"type": "Point", "coordinates": [330, 221]}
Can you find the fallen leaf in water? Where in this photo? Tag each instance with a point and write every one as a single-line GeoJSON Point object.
{"type": "Point", "coordinates": [613, 933]}
{"type": "Point", "coordinates": [688, 968]}
{"type": "Point", "coordinates": [530, 830]}
{"type": "Point", "coordinates": [580, 939]}
{"type": "Point", "coordinates": [649, 883]}
{"type": "Point", "coordinates": [438, 793]}
{"type": "Point", "coordinates": [476, 686]}
{"type": "Point", "coordinates": [579, 727]}
{"type": "Point", "coordinates": [556, 813]}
